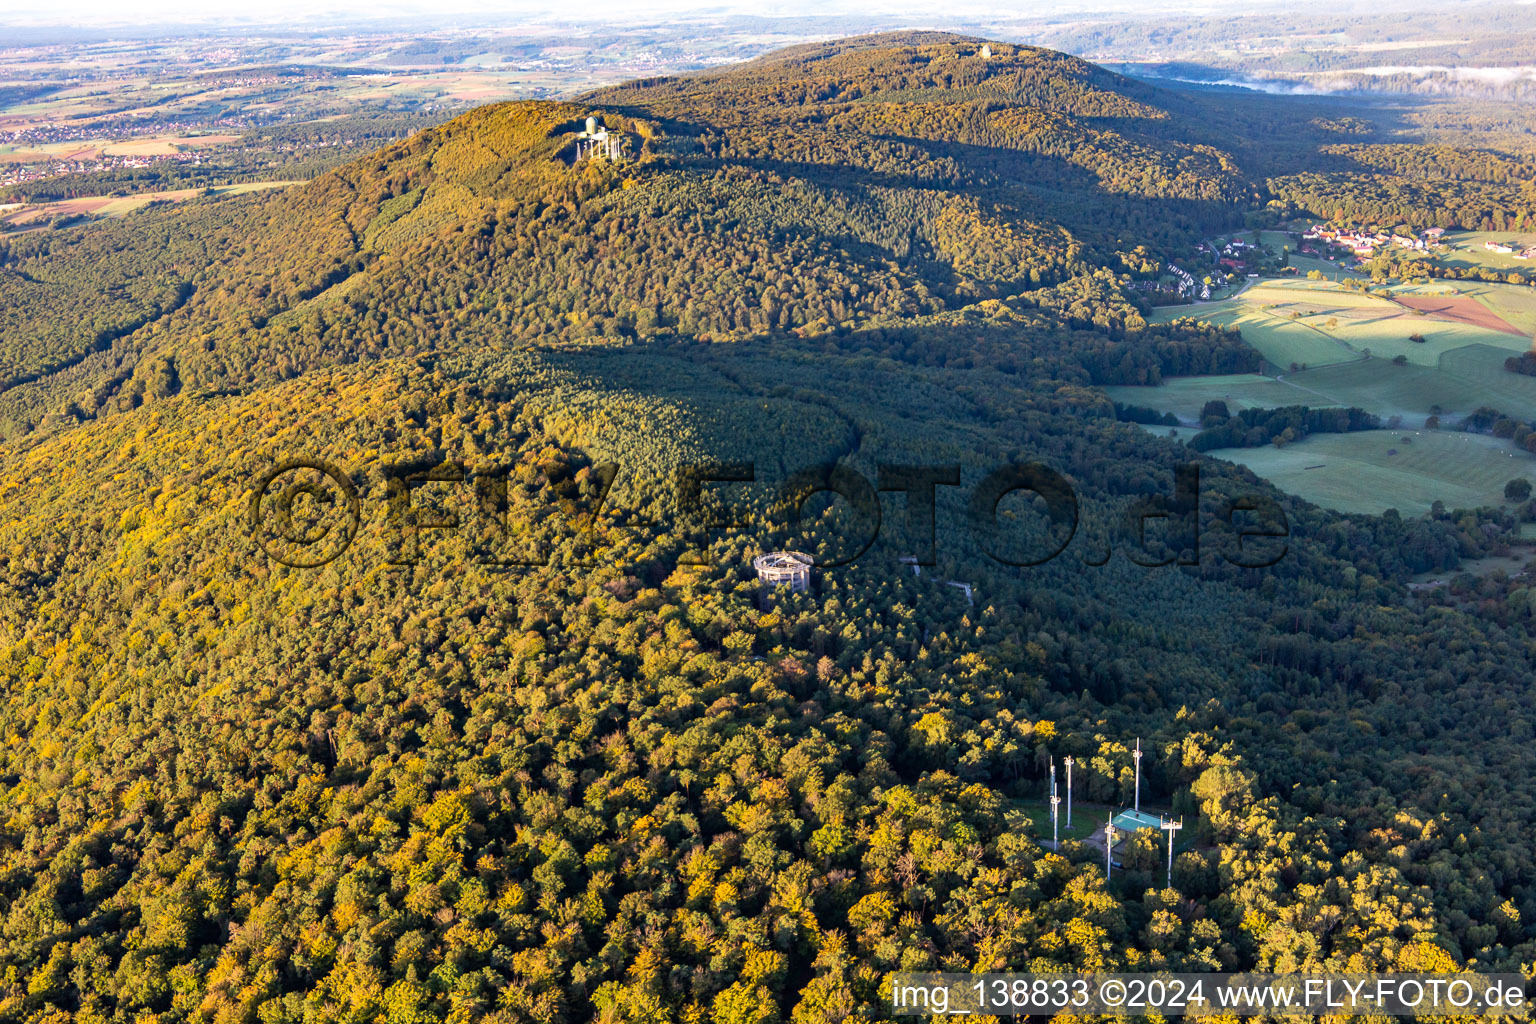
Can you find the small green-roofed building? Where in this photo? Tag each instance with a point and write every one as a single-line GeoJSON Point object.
{"type": "Point", "coordinates": [1130, 821]}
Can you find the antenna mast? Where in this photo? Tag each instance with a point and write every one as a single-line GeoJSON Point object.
{"type": "Point", "coordinates": [1171, 827]}
{"type": "Point", "coordinates": [1069, 790]}
{"type": "Point", "coordinates": [1137, 756]}
{"type": "Point", "coordinates": [1109, 848]}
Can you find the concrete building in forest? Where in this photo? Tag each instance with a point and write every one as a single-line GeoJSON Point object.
{"type": "Point", "coordinates": [790, 569]}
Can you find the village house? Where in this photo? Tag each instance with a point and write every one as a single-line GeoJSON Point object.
{"type": "Point", "coordinates": [1361, 243]}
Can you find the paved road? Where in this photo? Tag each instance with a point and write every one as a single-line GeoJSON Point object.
{"type": "Point", "coordinates": [1249, 283]}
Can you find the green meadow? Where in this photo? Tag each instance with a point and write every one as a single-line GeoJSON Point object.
{"type": "Point", "coordinates": [1466, 250]}
{"type": "Point", "coordinates": [1328, 346]}
{"type": "Point", "coordinates": [1464, 380]}
{"type": "Point", "coordinates": [1281, 341]}
{"type": "Point", "coordinates": [1303, 324]}
{"type": "Point", "coordinates": [1374, 470]}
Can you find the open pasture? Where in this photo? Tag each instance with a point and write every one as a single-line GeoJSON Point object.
{"type": "Point", "coordinates": [1387, 333]}
{"type": "Point", "coordinates": [165, 145]}
{"type": "Point", "coordinates": [1333, 272]}
{"type": "Point", "coordinates": [1282, 342]}
{"type": "Point", "coordinates": [94, 149]}
{"type": "Point", "coordinates": [1348, 342]}
{"type": "Point", "coordinates": [1463, 380]}
{"type": "Point", "coordinates": [1466, 249]}
{"type": "Point", "coordinates": [1186, 396]}
{"type": "Point", "coordinates": [1280, 289]}
{"type": "Point", "coordinates": [1374, 470]}
{"type": "Point", "coordinates": [1307, 324]}
{"type": "Point", "coordinates": [27, 215]}
{"type": "Point", "coordinates": [73, 150]}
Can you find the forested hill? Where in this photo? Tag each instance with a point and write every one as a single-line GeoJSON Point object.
{"type": "Point", "coordinates": [531, 745]}
{"type": "Point", "coordinates": [829, 188]}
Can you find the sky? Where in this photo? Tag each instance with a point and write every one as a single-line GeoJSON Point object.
{"type": "Point", "coordinates": [105, 13]}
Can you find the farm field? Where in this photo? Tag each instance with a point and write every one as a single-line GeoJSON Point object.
{"type": "Point", "coordinates": [1466, 250]}
{"type": "Point", "coordinates": [1469, 329]}
{"type": "Point", "coordinates": [1515, 304]}
{"type": "Point", "coordinates": [1299, 324]}
{"type": "Point", "coordinates": [1185, 396]}
{"type": "Point", "coordinates": [93, 149]}
{"type": "Point", "coordinates": [20, 217]}
{"type": "Point", "coordinates": [1468, 379]}
{"type": "Point", "coordinates": [1464, 380]}
{"type": "Point", "coordinates": [1509, 565]}
{"type": "Point", "coordinates": [1374, 470]}
{"type": "Point", "coordinates": [1281, 341]}
{"type": "Point", "coordinates": [165, 145]}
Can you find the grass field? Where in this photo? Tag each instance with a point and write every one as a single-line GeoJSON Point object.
{"type": "Point", "coordinates": [1469, 328]}
{"type": "Point", "coordinates": [1278, 339]}
{"type": "Point", "coordinates": [1085, 817]}
{"type": "Point", "coordinates": [1185, 396]}
{"type": "Point", "coordinates": [1509, 565]}
{"type": "Point", "coordinates": [1464, 380]}
{"type": "Point", "coordinates": [1355, 472]}
{"type": "Point", "coordinates": [1515, 304]}
{"type": "Point", "coordinates": [165, 145]}
{"type": "Point", "coordinates": [160, 145]}
{"type": "Point", "coordinates": [1466, 250]}
{"type": "Point", "coordinates": [1333, 272]}
{"type": "Point", "coordinates": [1297, 324]}
{"type": "Point", "coordinates": [1372, 471]}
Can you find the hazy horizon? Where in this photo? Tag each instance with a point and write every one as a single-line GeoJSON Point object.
{"type": "Point", "coordinates": [87, 15]}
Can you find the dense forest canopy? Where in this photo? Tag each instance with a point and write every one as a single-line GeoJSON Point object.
{"type": "Point", "coordinates": [619, 782]}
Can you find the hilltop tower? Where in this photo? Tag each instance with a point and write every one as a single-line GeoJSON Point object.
{"type": "Point", "coordinates": [597, 141]}
{"type": "Point", "coordinates": [785, 568]}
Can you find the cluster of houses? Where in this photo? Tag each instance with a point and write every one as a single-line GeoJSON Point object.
{"type": "Point", "coordinates": [1365, 243]}
{"type": "Point", "coordinates": [1187, 287]}
{"type": "Point", "coordinates": [19, 173]}
{"type": "Point", "coordinates": [1511, 249]}
{"type": "Point", "coordinates": [94, 136]}
{"type": "Point", "coordinates": [1234, 256]}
